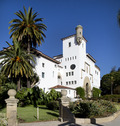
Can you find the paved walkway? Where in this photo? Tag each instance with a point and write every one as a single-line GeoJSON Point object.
{"type": "Point", "coordinates": [115, 122]}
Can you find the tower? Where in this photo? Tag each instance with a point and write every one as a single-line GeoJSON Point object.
{"type": "Point", "coordinates": [79, 34]}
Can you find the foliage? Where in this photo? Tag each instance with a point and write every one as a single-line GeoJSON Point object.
{"type": "Point", "coordinates": [53, 105]}
{"type": "Point", "coordinates": [52, 96]}
{"type": "Point", "coordinates": [117, 90]}
{"type": "Point", "coordinates": [81, 92]}
{"type": "Point", "coordinates": [89, 109]}
{"type": "Point", "coordinates": [96, 92]}
{"type": "Point", "coordinates": [3, 92]}
{"type": "Point", "coordinates": [15, 62]}
{"type": "Point", "coordinates": [108, 79]}
{"type": "Point", "coordinates": [29, 96]}
{"type": "Point", "coordinates": [114, 98]}
{"type": "Point", "coordinates": [35, 96]}
{"type": "Point", "coordinates": [3, 119]}
{"type": "Point", "coordinates": [27, 27]}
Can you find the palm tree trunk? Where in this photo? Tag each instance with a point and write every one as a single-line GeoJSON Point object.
{"type": "Point", "coordinates": [28, 49]}
{"type": "Point", "coordinates": [18, 84]}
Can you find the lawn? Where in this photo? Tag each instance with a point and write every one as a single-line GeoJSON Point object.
{"type": "Point", "coordinates": [29, 114]}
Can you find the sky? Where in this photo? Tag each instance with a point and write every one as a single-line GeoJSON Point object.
{"type": "Point", "coordinates": [98, 18]}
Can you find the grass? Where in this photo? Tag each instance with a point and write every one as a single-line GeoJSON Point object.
{"type": "Point", "coordinates": [29, 114]}
{"type": "Point", "coordinates": [117, 105]}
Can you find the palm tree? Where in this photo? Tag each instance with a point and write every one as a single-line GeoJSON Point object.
{"type": "Point", "coordinates": [29, 29]}
{"type": "Point", "coordinates": [15, 62]}
{"type": "Point", "coordinates": [118, 17]}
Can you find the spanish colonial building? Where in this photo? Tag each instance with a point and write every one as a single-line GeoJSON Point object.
{"type": "Point", "coordinates": [74, 68]}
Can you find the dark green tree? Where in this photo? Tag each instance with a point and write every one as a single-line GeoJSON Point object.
{"type": "Point", "coordinates": [15, 62]}
{"type": "Point", "coordinates": [108, 79]}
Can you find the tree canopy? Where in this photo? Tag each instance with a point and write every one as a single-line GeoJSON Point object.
{"type": "Point", "coordinates": [15, 62]}
{"type": "Point", "coordinates": [108, 79]}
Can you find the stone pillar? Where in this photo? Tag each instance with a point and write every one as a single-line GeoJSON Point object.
{"type": "Point", "coordinates": [12, 108]}
{"type": "Point", "coordinates": [64, 112]}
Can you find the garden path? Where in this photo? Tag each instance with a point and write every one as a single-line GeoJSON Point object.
{"type": "Point", "coordinates": [115, 122]}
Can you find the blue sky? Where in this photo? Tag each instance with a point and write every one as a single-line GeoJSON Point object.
{"type": "Point", "coordinates": [98, 18]}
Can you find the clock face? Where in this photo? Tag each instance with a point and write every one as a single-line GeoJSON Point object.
{"type": "Point", "coordinates": [72, 67]}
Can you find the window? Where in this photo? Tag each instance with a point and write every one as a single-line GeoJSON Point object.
{"type": "Point", "coordinates": [72, 73]}
{"type": "Point", "coordinates": [53, 73]}
{"type": "Point", "coordinates": [69, 91]}
{"type": "Point", "coordinates": [66, 74]}
{"type": "Point", "coordinates": [69, 82]}
{"type": "Point", "coordinates": [43, 75]}
{"type": "Point", "coordinates": [44, 89]}
{"type": "Point", "coordinates": [72, 82]}
{"type": "Point", "coordinates": [75, 82]}
{"type": "Point", "coordinates": [66, 83]}
{"type": "Point", "coordinates": [69, 44]}
{"type": "Point", "coordinates": [43, 64]}
{"type": "Point", "coordinates": [69, 73]}
{"type": "Point", "coordinates": [65, 67]}
{"type": "Point", "coordinates": [75, 57]}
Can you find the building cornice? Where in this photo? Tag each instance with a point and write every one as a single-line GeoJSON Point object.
{"type": "Point", "coordinates": [90, 57]}
{"type": "Point", "coordinates": [72, 36]}
{"type": "Point", "coordinates": [39, 53]}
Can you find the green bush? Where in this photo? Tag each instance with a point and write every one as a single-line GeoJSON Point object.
{"type": "Point", "coordinates": [3, 92]}
{"type": "Point", "coordinates": [89, 109]}
{"type": "Point", "coordinates": [81, 92]}
{"type": "Point", "coordinates": [52, 96]}
{"type": "Point", "coordinates": [53, 105]}
{"type": "Point", "coordinates": [96, 92]}
{"type": "Point", "coordinates": [35, 96]}
{"type": "Point", "coordinates": [114, 98]}
{"type": "Point", "coordinates": [27, 96]}
{"type": "Point", "coordinates": [116, 90]}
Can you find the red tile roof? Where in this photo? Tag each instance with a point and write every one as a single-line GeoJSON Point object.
{"type": "Point", "coordinates": [60, 86]}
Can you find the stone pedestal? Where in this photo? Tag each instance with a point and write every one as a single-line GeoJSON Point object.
{"type": "Point", "coordinates": [12, 108]}
{"type": "Point", "coordinates": [64, 112]}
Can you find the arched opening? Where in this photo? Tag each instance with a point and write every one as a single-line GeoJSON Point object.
{"type": "Point", "coordinates": [59, 79]}
{"type": "Point", "coordinates": [87, 90]}
{"type": "Point", "coordinates": [87, 87]}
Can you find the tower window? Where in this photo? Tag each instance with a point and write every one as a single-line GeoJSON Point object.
{"type": "Point", "coordinates": [66, 83]}
{"type": "Point", "coordinates": [43, 64]}
{"type": "Point", "coordinates": [43, 75]}
{"type": "Point", "coordinates": [66, 74]}
{"type": "Point", "coordinates": [69, 44]}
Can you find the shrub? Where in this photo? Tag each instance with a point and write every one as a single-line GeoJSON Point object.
{"type": "Point", "coordinates": [89, 109]}
{"type": "Point", "coordinates": [52, 96]}
{"type": "Point", "coordinates": [117, 90]}
{"type": "Point", "coordinates": [114, 98]}
{"type": "Point", "coordinates": [29, 96]}
{"type": "Point", "coordinates": [36, 96]}
{"type": "Point", "coordinates": [81, 92]}
{"type": "Point", "coordinates": [96, 92]}
{"type": "Point", "coordinates": [53, 105]}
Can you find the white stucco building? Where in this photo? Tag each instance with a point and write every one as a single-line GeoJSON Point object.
{"type": "Point", "coordinates": [73, 68]}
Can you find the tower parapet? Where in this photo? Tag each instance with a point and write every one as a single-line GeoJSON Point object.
{"type": "Point", "coordinates": [79, 34]}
